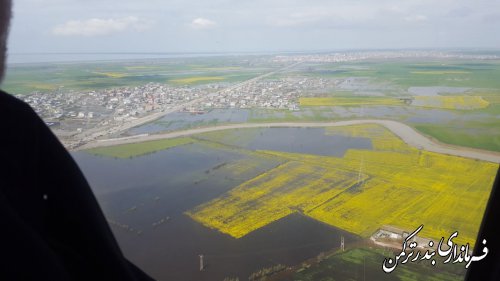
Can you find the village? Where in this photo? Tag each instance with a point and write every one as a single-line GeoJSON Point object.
{"type": "Point", "coordinates": [73, 115]}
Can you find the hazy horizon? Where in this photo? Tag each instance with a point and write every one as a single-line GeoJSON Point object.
{"type": "Point", "coordinates": [74, 57]}
{"type": "Point", "coordinates": [220, 26]}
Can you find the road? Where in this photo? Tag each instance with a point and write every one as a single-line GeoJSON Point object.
{"type": "Point", "coordinates": [405, 132]}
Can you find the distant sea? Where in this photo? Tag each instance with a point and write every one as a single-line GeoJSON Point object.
{"type": "Point", "coordinates": [16, 58]}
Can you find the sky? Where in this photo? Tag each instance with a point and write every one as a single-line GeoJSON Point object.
{"type": "Point", "coordinates": [47, 26]}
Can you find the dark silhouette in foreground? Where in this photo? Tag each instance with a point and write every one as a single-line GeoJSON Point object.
{"type": "Point", "coordinates": [52, 226]}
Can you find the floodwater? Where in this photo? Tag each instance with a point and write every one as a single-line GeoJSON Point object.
{"type": "Point", "coordinates": [306, 140]}
{"type": "Point", "coordinates": [142, 191]}
{"type": "Point", "coordinates": [434, 91]}
{"type": "Point", "coordinates": [185, 120]}
{"type": "Point", "coordinates": [411, 114]}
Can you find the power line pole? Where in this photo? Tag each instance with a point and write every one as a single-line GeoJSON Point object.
{"type": "Point", "coordinates": [202, 267]}
{"type": "Point", "coordinates": [361, 180]}
{"type": "Point", "coordinates": [364, 269]}
{"type": "Point", "coordinates": [342, 244]}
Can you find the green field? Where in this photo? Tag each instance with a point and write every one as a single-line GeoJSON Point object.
{"type": "Point", "coordinates": [410, 73]}
{"type": "Point", "coordinates": [468, 130]}
{"type": "Point", "coordinates": [366, 264]}
{"type": "Point", "coordinates": [476, 128]}
{"type": "Point", "coordinates": [27, 78]}
{"type": "Point", "coordinates": [138, 149]}
{"type": "Point", "coordinates": [477, 108]}
{"type": "Point", "coordinates": [478, 135]}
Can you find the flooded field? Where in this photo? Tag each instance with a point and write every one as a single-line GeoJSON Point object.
{"type": "Point", "coordinates": [254, 198]}
{"type": "Point", "coordinates": [434, 91]}
{"type": "Point", "coordinates": [184, 120]}
{"type": "Point", "coordinates": [145, 199]}
{"type": "Point", "coordinates": [248, 199]}
{"type": "Point", "coordinates": [306, 140]}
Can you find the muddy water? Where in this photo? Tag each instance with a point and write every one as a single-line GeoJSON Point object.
{"type": "Point", "coordinates": [142, 191]}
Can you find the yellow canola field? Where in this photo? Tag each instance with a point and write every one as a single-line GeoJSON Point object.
{"type": "Point", "coordinates": [381, 138]}
{"type": "Point", "coordinates": [391, 185]}
{"type": "Point", "coordinates": [445, 193]}
{"type": "Point", "coordinates": [291, 187]}
{"type": "Point", "coordinates": [112, 74]}
{"type": "Point", "coordinates": [196, 79]}
{"type": "Point", "coordinates": [242, 167]}
{"type": "Point", "coordinates": [440, 72]}
{"type": "Point", "coordinates": [451, 102]}
{"type": "Point", "coordinates": [222, 68]}
{"type": "Point", "coordinates": [43, 86]}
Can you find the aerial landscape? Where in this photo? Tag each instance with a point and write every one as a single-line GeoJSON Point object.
{"type": "Point", "coordinates": [263, 140]}
{"type": "Point", "coordinates": [287, 166]}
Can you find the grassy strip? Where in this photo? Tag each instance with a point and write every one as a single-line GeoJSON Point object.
{"type": "Point", "coordinates": [137, 149]}
{"type": "Point", "coordinates": [357, 264]}
{"type": "Point", "coordinates": [488, 138]}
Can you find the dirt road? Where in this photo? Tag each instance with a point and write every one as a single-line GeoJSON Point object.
{"type": "Point", "coordinates": [405, 132]}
